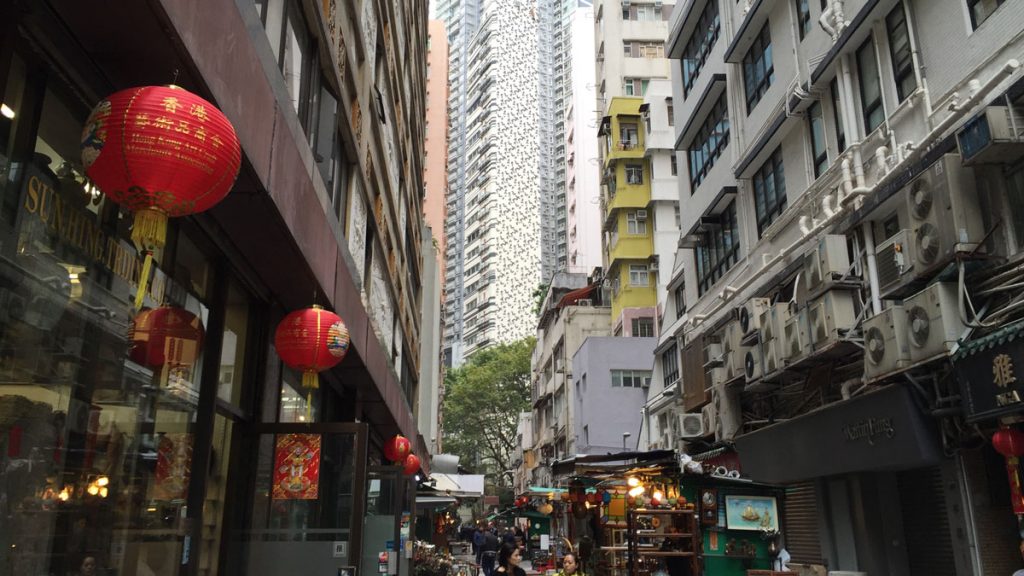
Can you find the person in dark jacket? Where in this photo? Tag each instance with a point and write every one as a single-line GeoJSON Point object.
{"type": "Point", "coordinates": [489, 552]}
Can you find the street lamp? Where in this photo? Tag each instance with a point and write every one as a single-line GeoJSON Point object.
{"type": "Point", "coordinates": [624, 436]}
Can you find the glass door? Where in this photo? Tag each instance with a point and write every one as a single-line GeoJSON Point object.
{"type": "Point", "coordinates": [308, 483]}
{"type": "Point", "coordinates": [383, 549]}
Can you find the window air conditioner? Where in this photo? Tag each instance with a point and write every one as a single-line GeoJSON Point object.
{"type": "Point", "coordinates": [771, 323]}
{"type": "Point", "coordinates": [886, 343]}
{"type": "Point", "coordinates": [752, 364]}
{"type": "Point", "coordinates": [830, 315]}
{"type": "Point", "coordinates": [828, 259]}
{"type": "Point", "coordinates": [797, 343]}
{"type": "Point", "coordinates": [641, 214]}
{"type": "Point", "coordinates": [691, 425]}
{"type": "Point", "coordinates": [895, 265]}
{"type": "Point", "coordinates": [750, 315]}
{"type": "Point", "coordinates": [732, 357]}
{"type": "Point", "coordinates": [989, 137]}
{"type": "Point", "coordinates": [709, 419]}
{"type": "Point", "coordinates": [933, 319]}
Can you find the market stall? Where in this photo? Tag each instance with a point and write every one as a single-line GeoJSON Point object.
{"type": "Point", "coordinates": [661, 514]}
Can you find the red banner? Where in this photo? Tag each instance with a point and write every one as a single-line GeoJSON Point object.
{"type": "Point", "coordinates": [173, 467]}
{"type": "Point", "coordinates": [297, 467]}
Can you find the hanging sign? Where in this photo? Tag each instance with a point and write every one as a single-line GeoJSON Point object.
{"type": "Point", "coordinates": [297, 467]}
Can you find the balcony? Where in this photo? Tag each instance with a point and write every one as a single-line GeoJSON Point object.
{"type": "Point", "coordinates": [624, 150]}
{"type": "Point", "coordinates": [630, 247]}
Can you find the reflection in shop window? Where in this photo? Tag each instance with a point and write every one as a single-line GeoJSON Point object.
{"type": "Point", "coordinates": [298, 404]}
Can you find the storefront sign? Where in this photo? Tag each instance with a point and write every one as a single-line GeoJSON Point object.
{"type": "Point", "coordinates": [881, 430]}
{"type": "Point", "coordinates": [297, 467]}
{"type": "Point", "coordinates": [991, 381]}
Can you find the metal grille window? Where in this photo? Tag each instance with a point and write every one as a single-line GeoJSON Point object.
{"type": "Point", "coordinates": [981, 10]}
{"type": "Point", "coordinates": [643, 327]}
{"type": "Point", "coordinates": [769, 191]}
{"type": "Point", "coordinates": [719, 249]}
{"type": "Point", "coordinates": [758, 70]}
{"type": "Point", "coordinates": [699, 45]}
{"type": "Point", "coordinates": [837, 114]}
{"type": "Point", "coordinates": [870, 86]}
{"type": "Point", "coordinates": [818, 148]}
{"type": "Point", "coordinates": [803, 17]}
{"type": "Point", "coordinates": [710, 141]}
{"type": "Point", "coordinates": [670, 365]}
{"type": "Point", "coordinates": [628, 135]}
{"type": "Point", "coordinates": [638, 275]}
{"type": "Point", "coordinates": [899, 50]}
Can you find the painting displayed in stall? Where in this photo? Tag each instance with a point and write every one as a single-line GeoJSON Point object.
{"type": "Point", "coordinates": [751, 512]}
{"type": "Point", "coordinates": [297, 467]}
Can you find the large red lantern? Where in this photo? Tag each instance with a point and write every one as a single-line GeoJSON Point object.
{"type": "Point", "coordinates": [1010, 443]}
{"type": "Point", "coordinates": [311, 340]}
{"type": "Point", "coordinates": [411, 465]}
{"type": "Point", "coordinates": [159, 151]}
{"type": "Point", "coordinates": [166, 335]}
{"type": "Point", "coordinates": [397, 449]}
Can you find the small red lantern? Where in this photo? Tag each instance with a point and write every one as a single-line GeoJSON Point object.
{"type": "Point", "coordinates": [166, 335]}
{"type": "Point", "coordinates": [1010, 443]}
{"type": "Point", "coordinates": [411, 465]}
{"type": "Point", "coordinates": [311, 340]}
{"type": "Point", "coordinates": [159, 151]}
{"type": "Point", "coordinates": [397, 449]}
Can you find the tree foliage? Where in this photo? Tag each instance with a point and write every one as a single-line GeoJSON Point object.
{"type": "Point", "coordinates": [482, 402]}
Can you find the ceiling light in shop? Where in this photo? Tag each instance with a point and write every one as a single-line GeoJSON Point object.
{"type": "Point", "coordinates": [6, 111]}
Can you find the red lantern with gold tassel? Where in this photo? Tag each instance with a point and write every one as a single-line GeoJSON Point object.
{"type": "Point", "coordinates": [159, 151]}
{"type": "Point", "coordinates": [311, 341]}
{"type": "Point", "coordinates": [411, 465]}
{"type": "Point", "coordinates": [1010, 443]}
{"type": "Point", "coordinates": [166, 335]}
{"type": "Point", "coordinates": [397, 449]}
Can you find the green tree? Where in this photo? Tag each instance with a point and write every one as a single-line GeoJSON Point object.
{"type": "Point", "coordinates": [482, 402]}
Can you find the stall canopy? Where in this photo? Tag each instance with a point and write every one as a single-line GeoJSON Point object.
{"type": "Point", "coordinates": [434, 501]}
{"type": "Point", "coordinates": [459, 485]}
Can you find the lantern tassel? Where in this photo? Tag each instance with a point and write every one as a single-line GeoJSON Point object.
{"type": "Point", "coordinates": [149, 233]}
{"type": "Point", "coordinates": [310, 380]}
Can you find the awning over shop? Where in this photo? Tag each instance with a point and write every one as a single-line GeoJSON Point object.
{"type": "Point", "coordinates": [883, 430]}
{"type": "Point", "coordinates": [459, 485]}
{"type": "Point", "coordinates": [433, 501]}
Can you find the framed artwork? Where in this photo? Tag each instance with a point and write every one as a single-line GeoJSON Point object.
{"type": "Point", "coordinates": [751, 512]}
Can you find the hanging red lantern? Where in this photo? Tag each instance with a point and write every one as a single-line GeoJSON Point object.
{"type": "Point", "coordinates": [1010, 443]}
{"type": "Point", "coordinates": [411, 465]}
{"type": "Point", "coordinates": [311, 340]}
{"type": "Point", "coordinates": [159, 151]}
{"type": "Point", "coordinates": [397, 448]}
{"type": "Point", "coordinates": [166, 335]}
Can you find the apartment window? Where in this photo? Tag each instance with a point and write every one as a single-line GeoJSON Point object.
{"type": "Point", "coordinates": [700, 44]}
{"type": "Point", "coordinates": [675, 214]}
{"type": "Point", "coordinates": [870, 86]}
{"type": "Point", "coordinates": [643, 327]}
{"type": "Point", "coordinates": [899, 50]}
{"type": "Point", "coordinates": [718, 250]}
{"type": "Point", "coordinates": [758, 70]}
{"type": "Point", "coordinates": [680, 298]}
{"type": "Point", "coordinates": [981, 10]}
{"type": "Point", "coordinates": [674, 164]}
{"type": "Point", "coordinates": [628, 135]}
{"type": "Point", "coordinates": [634, 173]}
{"type": "Point", "coordinates": [671, 111]}
{"type": "Point", "coordinates": [638, 275]}
{"type": "Point", "coordinates": [635, 86]}
{"type": "Point", "coordinates": [635, 224]}
{"type": "Point", "coordinates": [818, 148]}
{"type": "Point", "coordinates": [639, 49]}
{"type": "Point", "coordinates": [837, 114]}
{"type": "Point", "coordinates": [670, 365]}
{"type": "Point", "coordinates": [631, 378]}
{"type": "Point", "coordinates": [296, 56]}
{"type": "Point", "coordinates": [711, 139]}
{"type": "Point", "coordinates": [769, 191]}
{"type": "Point", "coordinates": [803, 17]}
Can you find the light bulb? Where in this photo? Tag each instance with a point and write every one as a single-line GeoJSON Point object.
{"type": "Point", "coordinates": [102, 481]}
{"type": "Point", "coordinates": [93, 489]}
{"type": "Point", "coordinates": [64, 496]}
{"type": "Point", "coordinates": [636, 491]}
{"type": "Point", "coordinates": [633, 481]}
{"type": "Point", "coordinates": [658, 495]}
{"type": "Point", "coordinates": [103, 492]}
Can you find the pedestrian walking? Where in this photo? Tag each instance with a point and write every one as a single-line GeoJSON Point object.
{"type": "Point", "coordinates": [509, 558]}
{"type": "Point", "coordinates": [488, 553]}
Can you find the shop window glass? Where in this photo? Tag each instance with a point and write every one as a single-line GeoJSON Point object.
{"type": "Point", "coordinates": [297, 404]}
{"type": "Point", "coordinates": [97, 409]}
{"type": "Point", "coordinates": [232, 356]}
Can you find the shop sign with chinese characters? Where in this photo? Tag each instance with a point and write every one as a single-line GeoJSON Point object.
{"type": "Point", "coordinates": [991, 381]}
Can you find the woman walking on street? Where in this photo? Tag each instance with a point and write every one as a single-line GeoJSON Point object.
{"type": "Point", "coordinates": [509, 558]}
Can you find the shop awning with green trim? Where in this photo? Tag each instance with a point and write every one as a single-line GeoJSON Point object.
{"type": "Point", "coordinates": [1003, 335]}
{"type": "Point", "coordinates": [517, 512]}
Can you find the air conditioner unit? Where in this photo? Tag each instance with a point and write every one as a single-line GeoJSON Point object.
{"type": "Point", "coordinates": [709, 418]}
{"type": "Point", "coordinates": [641, 214]}
{"type": "Point", "coordinates": [989, 137]}
{"type": "Point", "coordinates": [795, 337]}
{"type": "Point", "coordinates": [753, 367]}
{"type": "Point", "coordinates": [772, 321]}
{"type": "Point", "coordinates": [944, 213]}
{"type": "Point", "coordinates": [750, 315]}
{"type": "Point", "coordinates": [653, 266]}
{"type": "Point", "coordinates": [933, 318]}
{"type": "Point", "coordinates": [829, 315]}
{"type": "Point", "coordinates": [712, 351]}
{"type": "Point", "coordinates": [584, 302]}
{"type": "Point", "coordinates": [830, 257]}
{"type": "Point", "coordinates": [732, 358]}
{"type": "Point", "coordinates": [894, 262]}
{"type": "Point", "coordinates": [691, 425]}
{"type": "Point", "coordinates": [886, 342]}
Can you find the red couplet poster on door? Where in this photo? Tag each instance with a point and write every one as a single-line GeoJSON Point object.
{"type": "Point", "coordinates": [297, 467]}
